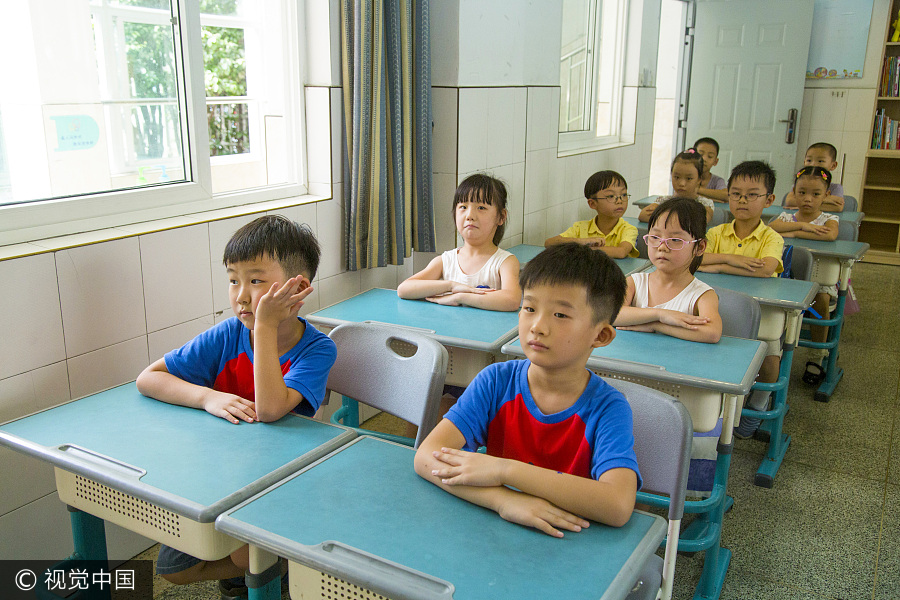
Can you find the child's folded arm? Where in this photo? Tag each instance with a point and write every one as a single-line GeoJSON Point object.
{"type": "Point", "coordinates": [833, 203]}
{"type": "Point", "coordinates": [514, 506]}
{"type": "Point", "coordinates": [156, 382]}
{"type": "Point", "coordinates": [620, 251]}
{"type": "Point", "coordinates": [645, 213]}
{"type": "Point", "coordinates": [506, 299]}
{"type": "Point", "coordinates": [426, 282]}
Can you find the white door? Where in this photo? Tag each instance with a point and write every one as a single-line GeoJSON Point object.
{"type": "Point", "coordinates": [748, 71]}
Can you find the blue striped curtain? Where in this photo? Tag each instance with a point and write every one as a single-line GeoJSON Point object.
{"type": "Point", "coordinates": [386, 67]}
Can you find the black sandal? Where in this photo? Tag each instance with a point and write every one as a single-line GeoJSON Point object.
{"type": "Point", "coordinates": [814, 374]}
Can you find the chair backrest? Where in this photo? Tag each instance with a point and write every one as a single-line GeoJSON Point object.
{"type": "Point", "coordinates": [641, 246]}
{"type": "Point", "coordinates": [663, 433]}
{"type": "Point", "coordinates": [848, 230]}
{"type": "Point", "coordinates": [850, 203]}
{"type": "Point", "coordinates": [719, 217]}
{"type": "Point", "coordinates": [740, 314]}
{"type": "Point", "coordinates": [801, 264]}
{"type": "Point", "coordinates": [399, 372]}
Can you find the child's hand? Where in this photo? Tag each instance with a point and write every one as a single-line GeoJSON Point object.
{"type": "Point", "coordinates": [446, 299]}
{"type": "Point", "coordinates": [680, 319]}
{"type": "Point", "coordinates": [229, 407]}
{"type": "Point", "coordinates": [817, 229]}
{"type": "Point", "coordinates": [593, 242]}
{"type": "Point", "coordinates": [469, 468]}
{"type": "Point", "coordinates": [747, 263]}
{"type": "Point", "coordinates": [532, 511]}
{"type": "Point", "coordinates": [282, 301]}
{"type": "Point", "coordinates": [457, 288]}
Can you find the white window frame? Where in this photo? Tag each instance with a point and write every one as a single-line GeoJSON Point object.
{"type": "Point", "coordinates": [609, 64]}
{"type": "Point", "coordinates": [52, 217]}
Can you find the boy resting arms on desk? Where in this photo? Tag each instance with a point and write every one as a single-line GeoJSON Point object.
{"type": "Point", "coordinates": [257, 366]}
{"type": "Point", "coordinates": [560, 448]}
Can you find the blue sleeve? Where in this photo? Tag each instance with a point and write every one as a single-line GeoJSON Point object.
{"type": "Point", "coordinates": [613, 439]}
{"type": "Point", "coordinates": [308, 374]}
{"type": "Point", "coordinates": [473, 412]}
{"type": "Point", "coordinates": [199, 361]}
{"type": "Point", "coordinates": [836, 189]}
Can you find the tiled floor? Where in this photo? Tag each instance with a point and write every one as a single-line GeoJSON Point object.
{"type": "Point", "coordinates": [830, 527]}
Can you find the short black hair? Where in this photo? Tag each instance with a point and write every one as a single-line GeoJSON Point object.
{"type": "Point", "coordinates": [290, 244]}
{"type": "Point", "coordinates": [755, 170]}
{"type": "Point", "coordinates": [483, 189]}
{"type": "Point", "coordinates": [579, 265]}
{"type": "Point", "coordinates": [831, 150]}
{"type": "Point", "coordinates": [602, 180]}
{"type": "Point", "coordinates": [707, 140]}
{"type": "Point", "coordinates": [691, 217]}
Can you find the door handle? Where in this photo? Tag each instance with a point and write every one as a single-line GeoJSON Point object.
{"type": "Point", "coordinates": [791, 125]}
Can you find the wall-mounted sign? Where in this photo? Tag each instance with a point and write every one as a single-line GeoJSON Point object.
{"type": "Point", "coordinates": [75, 132]}
{"type": "Point", "coordinates": [840, 30]}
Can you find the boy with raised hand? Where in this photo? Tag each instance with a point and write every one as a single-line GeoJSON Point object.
{"type": "Point", "coordinates": [259, 365]}
{"type": "Point", "coordinates": [822, 154]}
{"type": "Point", "coordinates": [560, 448]}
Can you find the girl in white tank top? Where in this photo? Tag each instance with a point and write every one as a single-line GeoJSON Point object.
{"type": "Point", "coordinates": [479, 274]}
{"type": "Point", "coordinates": [670, 299]}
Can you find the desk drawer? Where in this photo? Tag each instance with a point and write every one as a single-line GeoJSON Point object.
{"type": "Point", "coordinates": [195, 538]}
{"type": "Point", "coordinates": [705, 406]}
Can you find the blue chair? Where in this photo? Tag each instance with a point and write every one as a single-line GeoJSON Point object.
{"type": "Point", "coordinates": [848, 230]}
{"type": "Point", "coordinates": [399, 372]}
{"type": "Point", "coordinates": [850, 203]}
{"type": "Point", "coordinates": [662, 443]}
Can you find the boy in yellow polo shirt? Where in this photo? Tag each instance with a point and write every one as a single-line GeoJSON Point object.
{"type": "Point", "coordinates": [606, 193]}
{"type": "Point", "coordinates": [746, 246]}
{"type": "Point", "coordinates": [749, 247]}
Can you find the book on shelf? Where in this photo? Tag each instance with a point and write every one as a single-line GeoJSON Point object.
{"type": "Point", "coordinates": [890, 77]}
{"type": "Point", "coordinates": [885, 132]}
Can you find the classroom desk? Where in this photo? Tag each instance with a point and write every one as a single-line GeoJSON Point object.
{"type": "Point", "coordinates": [769, 212]}
{"type": "Point", "coordinates": [377, 525]}
{"type": "Point", "coordinates": [782, 302]}
{"type": "Point", "coordinates": [473, 337]}
{"type": "Point", "coordinates": [832, 263]}
{"type": "Point", "coordinates": [707, 379]}
{"type": "Point", "coordinates": [629, 265]}
{"type": "Point", "coordinates": [161, 470]}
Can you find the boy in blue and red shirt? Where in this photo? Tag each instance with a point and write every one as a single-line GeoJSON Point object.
{"type": "Point", "coordinates": [259, 365]}
{"type": "Point", "coordinates": [560, 447]}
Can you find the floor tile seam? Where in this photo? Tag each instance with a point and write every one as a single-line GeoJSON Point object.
{"type": "Point", "coordinates": [764, 576]}
{"type": "Point", "coordinates": [798, 463]}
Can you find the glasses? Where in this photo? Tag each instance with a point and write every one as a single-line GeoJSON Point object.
{"type": "Point", "coordinates": [654, 241]}
{"type": "Point", "coordinates": [615, 199]}
{"type": "Point", "coordinates": [750, 197]}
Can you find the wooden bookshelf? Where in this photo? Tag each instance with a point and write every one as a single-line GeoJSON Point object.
{"type": "Point", "coordinates": [880, 199]}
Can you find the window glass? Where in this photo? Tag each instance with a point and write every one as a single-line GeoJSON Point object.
{"type": "Point", "coordinates": [103, 102]}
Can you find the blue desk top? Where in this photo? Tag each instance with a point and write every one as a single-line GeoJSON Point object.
{"type": "Point", "coordinates": [629, 265]}
{"type": "Point", "coordinates": [368, 499]}
{"type": "Point", "coordinates": [458, 326]}
{"type": "Point", "coordinates": [839, 249]}
{"type": "Point", "coordinates": [728, 367]}
{"type": "Point", "coordinates": [181, 459]}
{"type": "Point", "coordinates": [768, 291]}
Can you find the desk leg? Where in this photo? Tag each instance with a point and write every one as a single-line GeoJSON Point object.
{"type": "Point", "coordinates": [89, 539]}
{"type": "Point", "coordinates": [833, 373]}
{"type": "Point", "coordinates": [264, 577]}
{"type": "Point", "coordinates": [773, 420]}
{"type": "Point", "coordinates": [717, 559]}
